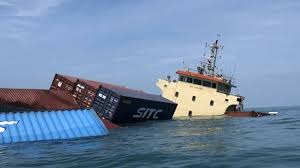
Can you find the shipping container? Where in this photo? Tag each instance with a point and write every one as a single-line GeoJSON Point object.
{"type": "Point", "coordinates": [49, 125]}
{"type": "Point", "coordinates": [123, 105]}
{"type": "Point", "coordinates": [12, 100]}
{"type": "Point", "coordinates": [35, 99]}
{"type": "Point", "coordinates": [108, 124]}
{"type": "Point", "coordinates": [118, 103]}
{"type": "Point", "coordinates": [83, 91]}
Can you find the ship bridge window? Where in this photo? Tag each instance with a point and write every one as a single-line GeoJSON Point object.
{"type": "Point", "coordinates": [181, 78]}
{"type": "Point", "coordinates": [189, 80]}
{"type": "Point", "coordinates": [197, 82]}
{"type": "Point", "coordinates": [223, 88]}
{"type": "Point", "coordinates": [185, 79]}
{"type": "Point", "coordinates": [206, 83]}
{"type": "Point", "coordinates": [214, 85]}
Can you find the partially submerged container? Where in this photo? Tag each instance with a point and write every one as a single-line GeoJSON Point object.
{"type": "Point", "coordinates": [49, 125]}
{"type": "Point", "coordinates": [123, 105]}
{"type": "Point", "coordinates": [109, 124]}
{"type": "Point", "coordinates": [13, 100]}
{"type": "Point", "coordinates": [116, 103]}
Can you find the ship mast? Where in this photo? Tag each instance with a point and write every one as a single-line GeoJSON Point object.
{"type": "Point", "coordinates": [213, 58]}
{"type": "Point", "coordinates": [209, 67]}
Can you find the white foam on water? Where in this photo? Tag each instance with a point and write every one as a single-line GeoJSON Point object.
{"type": "Point", "coordinates": [2, 129]}
{"type": "Point", "coordinates": [8, 122]}
{"type": "Point", "coordinates": [273, 112]}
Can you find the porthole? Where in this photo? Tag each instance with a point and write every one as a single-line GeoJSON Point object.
{"type": "Point", "coordinates": [190, 114]}
{"type": "Point", "coordinates": [212, 103]}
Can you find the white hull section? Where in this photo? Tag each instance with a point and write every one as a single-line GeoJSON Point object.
{"type": "Point", "coordinates": [196, 100]}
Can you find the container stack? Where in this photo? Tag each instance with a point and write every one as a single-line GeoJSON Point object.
{"type": "Point", "coordinates": [116, 103]}
{"type": "Point", "coordinates": [35, 114]}
{"type": "Point", "coordinates": [74, 107]}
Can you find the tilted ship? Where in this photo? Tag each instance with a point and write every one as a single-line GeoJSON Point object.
{"type": "Point", "coordinates": [203, 91]}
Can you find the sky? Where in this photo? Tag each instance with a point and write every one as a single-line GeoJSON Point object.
{"type": "Point", "coordinates": [135, 42]}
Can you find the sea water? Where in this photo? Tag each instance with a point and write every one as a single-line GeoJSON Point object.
{"type": "Point", "coordinates": [272, 141]}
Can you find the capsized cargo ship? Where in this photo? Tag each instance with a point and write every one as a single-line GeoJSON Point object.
{"type": "Point", "coordinates": [117, 103]}
{"type": "Point", "coordinates": [203, 91]}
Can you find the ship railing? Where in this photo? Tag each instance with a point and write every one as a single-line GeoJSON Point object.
{"type": "Point", "coordinates": [227, 79]}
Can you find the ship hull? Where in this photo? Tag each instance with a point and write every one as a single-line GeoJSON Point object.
{"type": "Point", "coordinates": [195, 100]}
{"type": "Point", "coordinates": [247, 114]}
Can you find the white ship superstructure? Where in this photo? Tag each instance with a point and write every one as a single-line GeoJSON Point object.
{"type": "Point", "coordinates": [201, 92]}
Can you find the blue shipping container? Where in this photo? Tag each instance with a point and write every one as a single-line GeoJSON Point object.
{"type": "Point", "coordinates": [49, 125]}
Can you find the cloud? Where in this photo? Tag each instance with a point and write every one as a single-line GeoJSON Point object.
{"type": "Point", "coordinates": [15, 28]}
{"type": "Point", "coordinates": [17, 17]}
{"type": "Point", "coordinates": [37, 7]}
{"type": "Point", "coordinates": [29, 8]}
{"type": "Point", "coordinates": [5, 3]}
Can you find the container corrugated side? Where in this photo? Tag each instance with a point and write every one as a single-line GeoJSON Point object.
{"type": "Point", "coordinates": [106, 102]}
{"type": "Point", "coordinates": [35, 99]}
{"type": "Point", "coordinates": [50, 125]}
{"type": "Point", "coordinates": [82, 90]}
{"type": "Point", "coordinates": [84, 94]}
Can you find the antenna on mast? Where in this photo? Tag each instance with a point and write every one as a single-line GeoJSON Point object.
{"type": "Point", "coordinates": [209, 65]}
{"type": "Point", "coordinates": [213, 57]}
{"type": "Point", "coordinates": [185, 66]}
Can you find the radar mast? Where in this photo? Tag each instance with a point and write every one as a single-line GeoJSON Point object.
{"type": "Point", "coordinates": [209, 66]}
